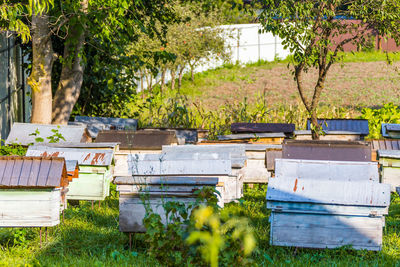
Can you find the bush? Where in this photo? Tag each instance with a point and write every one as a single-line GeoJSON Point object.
{"type": "Point", "coordinates": [389, 113]}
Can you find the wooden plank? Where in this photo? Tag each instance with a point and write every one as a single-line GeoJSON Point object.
{"type": "Point", "coordinates": [34, 172]}
{"type": "Point", "coordinates": [325, 231]}
{"type": "Point", "coordinates": [395, 145]}
{"type": "Point", "coordinates": [270, 156]}
{"type": "Point", "coordinates": [327, 170]}
{"type": "Point", "coordinates": [26, 170]}
{"type": "Point", "coordinates": [16, 172]}
{"type": "Point", "coordinates": [328, 192]}
{"type": "Point", "coordinates": [55, 173]}
{"type": "Point", "coordinates": [253, 175]}
{"type": "Point", "coordinates": [262, 127]}
{"type": "Point", "coordinates": [388, 145]}
{"type": "Point", "coordinates": [43, 172]}
{"type": "Point", "coordinates": [375, 144]}
{"type": "Point", "coordinates": [312, 208]}
{"type": "Point", "coordinates": [30, 208]}
{"type": "Point", "coordinates": [8, 172]}
{"type": "Point", "coordinates": [382, 144]}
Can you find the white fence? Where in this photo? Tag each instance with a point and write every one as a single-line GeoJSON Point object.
{"type": "Point", "coordinates": [247, 45]}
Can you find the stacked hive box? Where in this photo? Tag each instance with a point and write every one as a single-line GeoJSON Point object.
{"type": "Point", "coordinates": [95, 168]}
{"type": "Point", "coordinates": [327, 203]}
{"type": "Point", "coordinates": [165, 180]}
{"type": "Point", "coordinates": [31, 191]}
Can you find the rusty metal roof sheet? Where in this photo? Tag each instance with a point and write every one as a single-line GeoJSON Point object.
{"type": "Point", "coordinates": [390, 130]}
{"type": "Point", "coordinates": [243, 127]}
{"type": "Point", "coordinates": [250, 136]}
{"type": "Point", "coordinates": [21, 133]}
{"type": "Point", "coordinates": [327, 150]}
{"type": "Point", "coordinates": [97, 124]}
{"type": "Point", "coordinates": [93, 157]}
{"type": "Point", "coordinates": [355, 126]}
{"type": "Point", "coordinates": [44, 172]}
{"type": "Point", "coordinates": [385, 144]}
{"type": "Point", "coordinates": [144, 140]}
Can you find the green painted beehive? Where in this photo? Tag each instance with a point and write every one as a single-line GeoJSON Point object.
{"type": "Point", "coordinates": [95, 170]}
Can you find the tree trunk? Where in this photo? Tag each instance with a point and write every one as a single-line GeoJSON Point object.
{"type": "Point", "coordinates": [315, 130]}
{"type": "Point", "coordinates": [192, 73]}
{"type": "Point", "coordinates": [42, 62]}
{"type": "Point", "coordinates": [162, 84]}
{"type": "Point", "coordinates": [173, 76]}
{"type": "Point", "coordinates": [71, 78]}
{"type": "Point", "coordinates": [180, 77]}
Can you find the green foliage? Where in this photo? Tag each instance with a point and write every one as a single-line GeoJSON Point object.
{"type": "Point", "coordinates": [12, 150]}
{"type": "Point", "coordinates": [309, 28]}
{"type": "Point", "coordinates": [389, 113]}
{"type": "Point", "coordinates": [54, 138]}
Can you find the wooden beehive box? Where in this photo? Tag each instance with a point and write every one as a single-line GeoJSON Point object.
{"type": "Point", "coordinates": [31, 191]}
{"type": "Point", "coordinates": [25, 133]}
{"type": "Point", "coordinates": [95, 170]}
{"type": "Point", "coordinates": [391, 130]}
{"type": "Point", "coordinates": [327, 204]}
{"type": "Point", "coordinates": [157, 190]}
{"type": "Point", "coordinates": [383, 145]}
{"type": "Point", "coordinates": [188, 165]}
{"type": "Point", "coordinates": [390, 167]}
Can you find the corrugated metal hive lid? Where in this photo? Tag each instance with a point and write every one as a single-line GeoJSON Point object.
{"type": "Point", "coordinates": [31, 172]}
{"type": "Point", "coordinates": [21, 133]}
{"type": "Point", "coordinates": [97, 124]}
{"type": "Point", "coordinates": [357, 126]}
{"type": "Point", "coordinates": [91, 157]}
{"type": "Point", "coordinates": [243, 127]}
{"type": "Point", "coordinates": [145, 140]}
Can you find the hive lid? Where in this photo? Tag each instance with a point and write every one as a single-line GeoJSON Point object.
{"type": "Point", "coordinates": [292, 189]}
{"type": "Point", "coordinates": [389, 128]}
{"type": "Point", "coordinates": [92, 157]}
{"type": "Point", "coordinates": [32, 172]}
{"type": "Point", "coordinates": [262, 127]}
{"type": "Point", "coordinates": [354, 126]}
{"type": "Point", "coordinates": [251, 136]}
{"type": "Point", "coordinates": [21, 133]}
{"type": "Point", "coordinates": [97, 124]}
{"type": "Point", "coordinates": [138, 140]}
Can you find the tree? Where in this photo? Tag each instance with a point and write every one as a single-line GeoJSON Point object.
{"type": "Point", "coordinates": [112, 24]}
{"type": "Point", "coordinates": [308, 29]}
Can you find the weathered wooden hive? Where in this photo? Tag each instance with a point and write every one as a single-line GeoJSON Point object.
{"type": "Point", "coordinates": [97, 124]}
{"type": "Point", "coordinates": [337, 129]}
{"type": "Point", "coordinates": [26, 133]}
{"type": "Point", "coordinates": [95, 169]}
{"type": "Point", "coordinates": [391, 130]}
{"type": "Point", "coordinates": [327, 204]}
{"type": "Point", "coordinates": [31, 191]}
{"type": "Point", "coordinates": [326, 150]}
{"type": "Point", "coordinates": [160, 181]}
{"type": "Point", "coordinates": [390, 167]}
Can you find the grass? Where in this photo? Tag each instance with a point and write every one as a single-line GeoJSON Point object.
{"type": "Point", "coordinates": [91, 238]}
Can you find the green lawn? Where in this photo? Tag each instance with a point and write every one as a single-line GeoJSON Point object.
{"type": "Point", "coordinates": [91, 238]}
